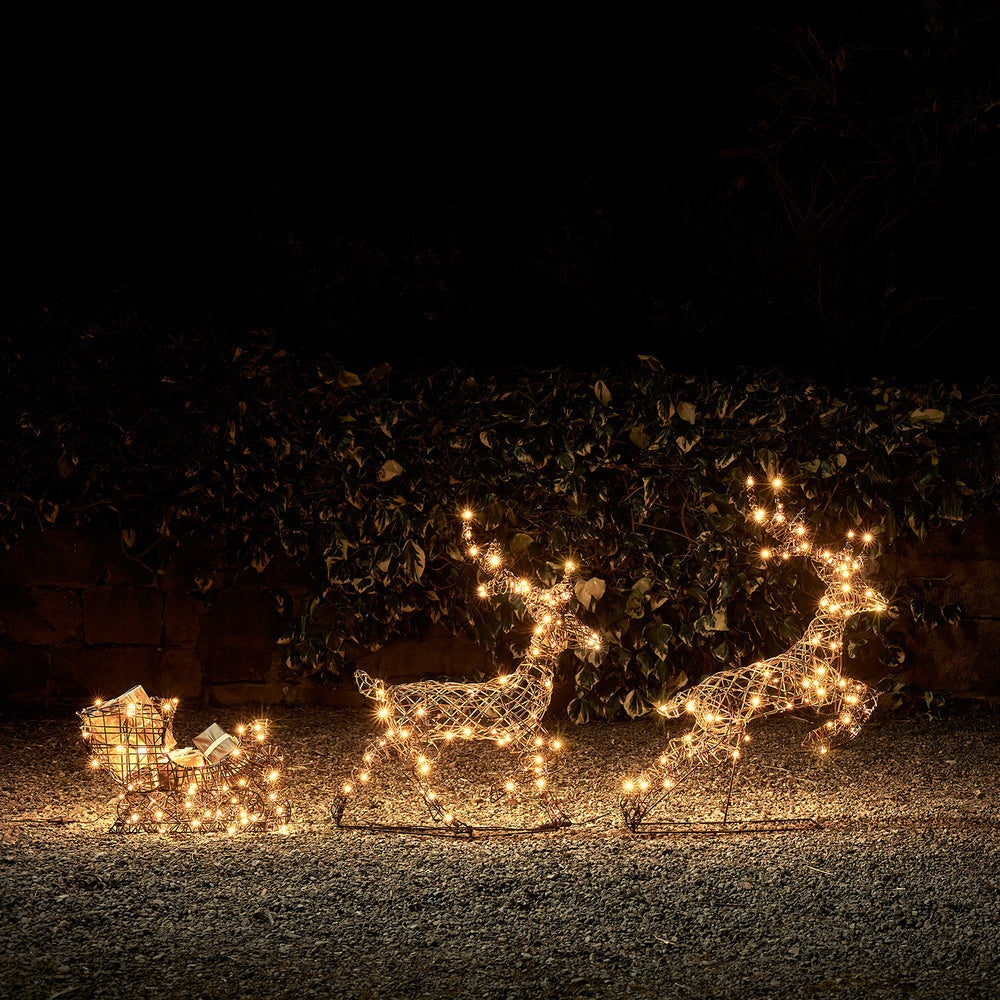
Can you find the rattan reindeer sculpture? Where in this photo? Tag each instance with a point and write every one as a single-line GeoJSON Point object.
{"type": "Point", "coordinates": [507, 710]}
{"type": "Point", "coordinates": [806, 675]}
{"type": "Point", "coordinates": [223, 784]}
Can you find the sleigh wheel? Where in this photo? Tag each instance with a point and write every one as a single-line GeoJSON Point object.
{"type": "Point", "coordinates": [267, 758]}
{"type": "Point", "coordinates": [133, 813]}
{"type": "Point", "coordinates": [252, 809]}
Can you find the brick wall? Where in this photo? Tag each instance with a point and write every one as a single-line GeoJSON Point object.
{"type": "Point", "coordinates": [78, 618]}
{"type": "Point", "coordinates": [961, 565]}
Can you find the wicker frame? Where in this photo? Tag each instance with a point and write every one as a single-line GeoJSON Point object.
{"type": "Point", "coordinates": [507, 710]}
{"type": "Point", "coordinates": [807, 675]}
{"type": "Point", "coordinates": [163, 790]}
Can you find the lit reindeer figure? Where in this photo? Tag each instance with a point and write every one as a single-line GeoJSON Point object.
{"type": "Point", "coordinates": [506, 710]}
{"type": "Point", "coordinates": [807, 675]}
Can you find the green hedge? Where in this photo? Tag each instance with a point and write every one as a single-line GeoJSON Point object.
{"type": "Point", "coordinates": [359, 478]}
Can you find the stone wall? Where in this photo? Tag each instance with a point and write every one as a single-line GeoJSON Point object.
{"type": "Point", "coordinates": [80, 618]}
{"type": "Point", "coordinates": [959, 565]}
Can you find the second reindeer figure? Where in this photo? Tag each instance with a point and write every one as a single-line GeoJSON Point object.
{"type": "Point", "coordinates": [805, 676]}
{"type": "Point", "coordinates": [506, 710]}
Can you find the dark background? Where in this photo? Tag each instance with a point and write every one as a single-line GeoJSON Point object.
{"type": "Point", "coordinates": [817, 195]}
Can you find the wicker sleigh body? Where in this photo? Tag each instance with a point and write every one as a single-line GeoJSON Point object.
{"type": "Point", "coordinates": [235, 786]}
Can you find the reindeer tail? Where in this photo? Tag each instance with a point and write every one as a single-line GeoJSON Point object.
{"type": "Point", "coordinates": [369, 686]}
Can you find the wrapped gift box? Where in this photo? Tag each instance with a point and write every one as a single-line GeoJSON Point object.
{"type": "Point", "coordinates": [129, 734]}
{"type": "Point", "coordinates": [215, 743]}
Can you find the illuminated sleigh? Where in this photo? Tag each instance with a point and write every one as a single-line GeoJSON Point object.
{"type": "Point", "coordinates": [223, 784]}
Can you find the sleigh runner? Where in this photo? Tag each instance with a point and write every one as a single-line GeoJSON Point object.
{"type": "Point", "coordinates": [223, 784]}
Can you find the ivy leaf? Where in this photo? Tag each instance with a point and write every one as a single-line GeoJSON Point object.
{"type": "Point", "coordinates": [66, 463]}
{"type": "Point", "coordinates": [648, 661]}
{"type": "Point", "coordinates": [639, 437]}
{"type": "Point", "coordinates": [672, 685]}
{"type": "Point", "coordinates": [580, 711]}
{"type": "Point", "coordinates": [722, 651]}
{"type": "Point", "coordinates": [636, 704]}
{"type": "Point", "coordinates": [637, 596]}
{"type": "Point", "coordinates": [520, 543]}
{"type": "Point", "coordinates": [414, 560]}
{"type": "Point", "coordinates": [715, 622]}
{"type": "Point", "coordinates": [687, 412]}
{"type": "Point", "coordinates": [586, 677]}
{"type": "Point", "coordinates": [390, 469]}
{"type": "Point", "coordinates": [659, 637]}
{"type": "Point", "coordinates": [589, 592]}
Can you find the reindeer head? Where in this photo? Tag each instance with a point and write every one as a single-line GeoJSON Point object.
{"type": "Point", "coordinates": [556, 627]}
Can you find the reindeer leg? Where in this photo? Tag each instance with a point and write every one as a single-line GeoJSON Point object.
{"type": "Point", "coordinates": [535, 764]}
{"type": "Point", "coordinates": [417, 767]}
{"type": "Point", "coordinates": [848, 720]}
{"type": "Point", "coordinates": [550, 800]}
{"type": "Point", "coordinates": [642, 796]}
{"type": "Point", "coordinates": [531, 753]}
{"type": "Point", "coordinates": [633, 809]}
{"type": "Point", "coordinates": [376, 753]}
{"type": "Point", "coordinates": [729, 790]}
{"type": "Point", "coordinates": [637, 803]}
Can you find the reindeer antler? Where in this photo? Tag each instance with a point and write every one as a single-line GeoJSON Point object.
{"type": "Point", "coordinates": [795, 538]}
{"type": "Point", "coordinates": [555, 625]}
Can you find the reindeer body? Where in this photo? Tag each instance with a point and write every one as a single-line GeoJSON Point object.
{"type": "Point", "coordinates": [502, 709]}
{"type": "Point", "coordinates": [805, 676]}
{"type": "Point", "coordinates": [506, 710]}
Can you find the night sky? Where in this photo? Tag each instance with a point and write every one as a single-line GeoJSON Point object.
{"type": "Point", "coordinates": [578, 214]}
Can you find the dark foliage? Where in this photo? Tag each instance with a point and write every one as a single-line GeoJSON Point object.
{"type": "Point", "coordinates": [359, 478]}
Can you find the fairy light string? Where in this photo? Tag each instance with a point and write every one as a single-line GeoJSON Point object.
{"type": "Point", "coordinates": [808, 675]}
{"type": "Point", "coordinates": [419, 719]}
{"type": "Point", "coordinates": [235, 784]}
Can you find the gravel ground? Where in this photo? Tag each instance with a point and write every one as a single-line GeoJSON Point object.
{"type": "Point", "coordinates": [896, 896]}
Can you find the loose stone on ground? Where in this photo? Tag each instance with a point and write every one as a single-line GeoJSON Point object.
{"type": "Point", "coordinates": [897, 894]}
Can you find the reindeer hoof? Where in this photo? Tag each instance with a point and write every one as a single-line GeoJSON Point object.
{"type": "Point", "coordinates": [337, 807]}
{"type": "Point", "coordinates": [632, 813]}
